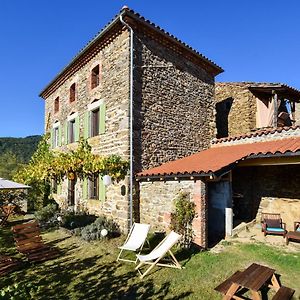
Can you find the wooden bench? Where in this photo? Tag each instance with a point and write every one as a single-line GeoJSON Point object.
{"type": "Point", "coordinates": [224, 286]}
{"type": "Point", "coordinates": [30, 243]}
{"type": "Point", "coordinates": [284, 293]}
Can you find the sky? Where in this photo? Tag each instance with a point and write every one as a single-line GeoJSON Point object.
{"type": "Point", "coordinates": [252, 40]}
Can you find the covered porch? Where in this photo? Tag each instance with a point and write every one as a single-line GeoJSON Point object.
{"type": "Point", "coordinates": [229, 184]}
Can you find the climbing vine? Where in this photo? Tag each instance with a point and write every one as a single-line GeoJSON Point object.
{"type": "Point", "coordinates": [182, 218]}
{"type": "Point", "coordinates": [47, 164]}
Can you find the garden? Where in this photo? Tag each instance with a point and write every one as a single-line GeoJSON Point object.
{"type": "Point", "coordinates": [87, 269]}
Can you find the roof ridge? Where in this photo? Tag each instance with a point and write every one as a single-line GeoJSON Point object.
{"type": "Point", "coordinates": [130, 12]}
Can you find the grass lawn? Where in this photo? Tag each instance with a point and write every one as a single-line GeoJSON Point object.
{"type": "Point", "coordinates": [89, 270]}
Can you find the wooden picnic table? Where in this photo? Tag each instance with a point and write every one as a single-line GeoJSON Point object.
{"type": "Point", "coordinates": [253, 278]}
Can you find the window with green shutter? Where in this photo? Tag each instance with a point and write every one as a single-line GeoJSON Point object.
{"type": "Point", "coordinates": [77, 129]}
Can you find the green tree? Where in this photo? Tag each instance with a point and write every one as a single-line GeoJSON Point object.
{"type": "Point", "coordinates": [8, 164]}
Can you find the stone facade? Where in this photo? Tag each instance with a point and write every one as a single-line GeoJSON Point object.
{"type": "Point", "coordinates": [174, 104]}
{"type": "Point", "coordinates": [268, 189]}
{"type": "Point", "coordinates": [235, 109]}
{"type": "Point", "coordinates": [114, 91]}
{"type": "Point", "coordinates": [173, 107]}
{"type": "Point", "coordinates": [157, 203]}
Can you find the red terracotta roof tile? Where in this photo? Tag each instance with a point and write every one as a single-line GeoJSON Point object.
{"type": "Point", "coordinates": [260, 132]}
{"type": "Point", "coordinates": [215, 159]}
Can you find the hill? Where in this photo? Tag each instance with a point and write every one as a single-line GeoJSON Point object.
{"type": "Point", "coordinates": [16, 151]}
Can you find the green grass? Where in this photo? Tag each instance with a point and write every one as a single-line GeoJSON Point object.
{"type": "Point", "coordinates": [89, 270]}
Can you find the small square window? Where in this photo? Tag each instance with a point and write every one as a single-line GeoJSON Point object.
{"type": "Point", "coordinates": [95, 77]}
{"type": "Point", "coordinates": [93, 185]}
{"type": "Point", "coordinates": [73, 92]}
{"type": "Point", "coordinates": [95, 122]}
{"type": "Point", "coordinates": [56, 105]}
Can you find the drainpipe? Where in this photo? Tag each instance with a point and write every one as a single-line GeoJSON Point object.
{"type": "Point", "coordinates": [131, 122]}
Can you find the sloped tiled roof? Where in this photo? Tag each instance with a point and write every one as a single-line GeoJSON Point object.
{"type": "Point", "coordinates": [256, 133]}
{"type": "Point", "coordinates": [215, 159]}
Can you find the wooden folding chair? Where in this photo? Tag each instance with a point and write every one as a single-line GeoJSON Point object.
{"type": "Point", "coordinates": [158, 253]}
{"type": "Point", "coordinates": [30, 243]}
{"type": "Point", "coordinates": [135, 240]}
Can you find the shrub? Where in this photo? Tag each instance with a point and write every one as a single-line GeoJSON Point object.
{"type": "Point", "coordinates": [47, 216]}
{"type": "Point", "coordinates": [72, 220]}
{"type": "Point", "coordinates": [93, 231]}
{"type": "Point", "coordinates": [18, 292]}
{"type": "Point", "coordinates": [182, 218]}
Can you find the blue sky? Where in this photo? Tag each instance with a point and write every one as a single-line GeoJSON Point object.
{"type": "Point", "coordinates": [251, 40]}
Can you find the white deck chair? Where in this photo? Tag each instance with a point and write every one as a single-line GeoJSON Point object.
{"type": "Point", "coordinates": [135, 240]}
{"type": "Point", "coordinates": [158, 253]}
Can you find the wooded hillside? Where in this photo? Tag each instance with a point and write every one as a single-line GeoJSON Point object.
{"type": "Point", "coordinates": [16, 151]}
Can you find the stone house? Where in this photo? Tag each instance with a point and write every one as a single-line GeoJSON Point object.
{"type": "Point", "coordinates": [252, 167]}
{"type": "Point", "coordinates": [136, 91]}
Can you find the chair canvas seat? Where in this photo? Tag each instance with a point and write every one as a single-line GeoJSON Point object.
{"type": "Point", "coordinates": [159, 253]}
{"type": "Point", "coordinates": [135, 240]}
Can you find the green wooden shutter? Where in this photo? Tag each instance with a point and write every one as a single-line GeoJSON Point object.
{"type": "Point", "coordinates": [85, 188]}
{"type": "Point", "coordinates": [102, 118]}
{"type": "Point", "coordinates": [86, 128]}
{"type": "Point", "coordinates": [77, 129]}
{"type": "Point", "coordinates": [59, 188]}
{"type": "Point", "coordinates": [51, 137]}
{"type": "Point", "coordinates": [102, 189]}
{"type": "Point", "coordinates": [66, 132]}
{"type": "Point", "coordinates": [59, 136]}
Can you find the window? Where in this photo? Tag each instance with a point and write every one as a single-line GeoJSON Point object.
{"type": "Point", "coordinates": [93, 185]}
{"type": "Point", "coordinates": [94, 119]}
{"type": "Point", "coordinates": [56, 105]}
{"type": "Point", "coordinates": [95, 122]}
{"type": "Point", "coordinates": [71, 133]}
{"type": "Point", "coordinates": [73, 92]}
{"type": "Point", "coordinates": [95, 77]}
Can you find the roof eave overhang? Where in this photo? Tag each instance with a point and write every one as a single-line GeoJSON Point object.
{"type": "Point", "coordinates": [177, 176]}
{"type": "Point", "coordinates": [281, 89]}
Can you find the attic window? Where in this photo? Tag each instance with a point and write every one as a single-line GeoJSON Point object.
{"type": "Point", "coordinates": [72, 92]}
{"type": "Point", "coordinates": [56, 105]}
{"type": "Point", "coordinates": [95, 77]}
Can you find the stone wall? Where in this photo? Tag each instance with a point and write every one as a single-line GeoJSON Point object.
{"type": "Point", "coordinates": [114, 91]}
{"type": "Point", "coordinates": [157, 204]}
{"type": "Point", "coordinates": [241, 109]}
{"type": "Point", "coordinates": [174, 106]}
{"type": "Point", "coordinates": [269, 189]}
{"type": "Point", "coordinates": [297, 114]}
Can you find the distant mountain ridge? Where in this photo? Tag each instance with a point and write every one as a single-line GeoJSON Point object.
{"type": "Point", "coordinates": [15, 152]}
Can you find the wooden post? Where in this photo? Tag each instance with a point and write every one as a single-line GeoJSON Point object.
{"type": "Point", "coordinates": [275, 115]}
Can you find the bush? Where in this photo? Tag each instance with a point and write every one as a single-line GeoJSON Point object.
{"type": "Point", "coordinates": [18, 292]}
{"type": "Point", "coordinates": [182, 218]}
{"type": "Point", "coordinates": [47, 216]}
{"type": "Point", "coordinates": [72, 220]}
{"type": "Point", "coordinates": [93, 231]}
